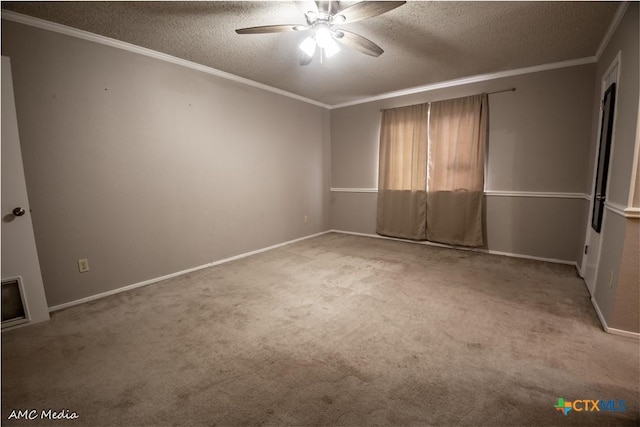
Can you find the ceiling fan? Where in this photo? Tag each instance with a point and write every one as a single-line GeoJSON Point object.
{"type": "Point", "coordinates": [321, 21]}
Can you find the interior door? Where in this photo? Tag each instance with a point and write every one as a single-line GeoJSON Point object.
{"type": "Point", "coordinates": [19, 258]}
{"type": "Point", "coordinates": [597, 212]}
{"type": "Point", "coordinates": [602, 170]}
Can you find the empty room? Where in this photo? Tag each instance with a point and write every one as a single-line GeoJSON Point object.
{"type": "Point", "coordinates": [320, 213]}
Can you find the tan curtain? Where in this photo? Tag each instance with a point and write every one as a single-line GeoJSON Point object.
{"type": "Point", "coordinates": [455, 182]}
{"type": "Point", "coordinates": [402, 197]}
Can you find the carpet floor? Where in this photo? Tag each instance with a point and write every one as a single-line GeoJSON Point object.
{"type": "Point", "coordinates": [332, 330]}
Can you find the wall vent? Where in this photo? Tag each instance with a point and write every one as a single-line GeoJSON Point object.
{"type": "Point", "coordinates": [14, 309]}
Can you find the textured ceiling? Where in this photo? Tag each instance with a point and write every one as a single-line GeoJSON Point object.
{"type": "Point", "coordinates": [424, 42]}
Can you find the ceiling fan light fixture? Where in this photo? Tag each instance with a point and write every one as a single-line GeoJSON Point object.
{"type": "Point", "coordinates": [331, 49]}
{"type": "Point", "coordinates": [308, 46]}
{"type": "Point", "coordinates": [323, 37]}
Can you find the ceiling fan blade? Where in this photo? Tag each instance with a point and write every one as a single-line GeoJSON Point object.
{"type": "Point", "coordinates": [358, 42]}
{"type": "Point", "coordinates": [269, 29]}
{"type": "Point", "coordinates": [328, 7]}
{"type": "Point", "coordinates": [307, 6]}
{"type": "Point", "coordinates": [366, 9]}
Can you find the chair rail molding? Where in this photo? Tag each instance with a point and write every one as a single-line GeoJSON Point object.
{"type": "Point", "coordinates": [490, 193]}
{"type": "Point", "coordinates": [539, 194]}
{"type": "Point", "coordinates": [616, 208]}
{"type": "Point", "coordinates": [353, 190]}
{"type": "Point", "coordinates": [632, 212]}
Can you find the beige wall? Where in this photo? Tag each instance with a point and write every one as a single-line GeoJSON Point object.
{"type": "Point", "coordinates": [618, 302]}
{"type": "Point", "coordinates": [354, 212]}
{"type": "Point", "coordinates": [613, 235]}
{"type": "Point", "coordinates": [625, 314]}
{"type": "Point", "coordinates": [519, 225]}
{"type": "Point", "coordinates": [540, 227]}
{"type": "Point", "coordinates": [539, 142]}
{"type": "Point", "coordinates": [147, 168]}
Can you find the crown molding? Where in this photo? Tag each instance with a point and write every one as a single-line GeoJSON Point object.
{"type": "Point", "coordinates": [472, 79]}
{"type": "Point", "coordinates": [85, 35]}
{"type": "Point", "coordinates": [491, 76]}
{"type": "Point", "coordinates": [612, 29]}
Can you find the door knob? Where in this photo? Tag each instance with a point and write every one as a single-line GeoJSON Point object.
{"type": "Point", "coordinates": [19, 211]}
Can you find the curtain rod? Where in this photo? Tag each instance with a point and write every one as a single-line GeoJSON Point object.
{"type": "Point", "coordinates": [511, 89]}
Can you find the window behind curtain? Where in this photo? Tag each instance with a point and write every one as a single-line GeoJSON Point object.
{"type": "Point", "coordinates": [402, 179]}
{"type": "Point", "coordinates": [432, 171]}
{"type": "Point", "coordinates": [455, 182]}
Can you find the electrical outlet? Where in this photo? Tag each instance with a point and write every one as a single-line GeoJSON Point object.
{"type": "Point", "coordinates": [306, 218]}
{"type": "Point", "coordinates": [83, 265]}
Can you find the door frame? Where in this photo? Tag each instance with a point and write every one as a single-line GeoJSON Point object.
{"type": "Point", "coordinates": [604, 85]}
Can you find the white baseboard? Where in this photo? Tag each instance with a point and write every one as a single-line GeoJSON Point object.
{"type": "Point", "coordinates": [581, 272]}
{"type": "Point", "coordinates": [609, 330]}
{"type": "Point", "coordinates": [603, 322]}
{"type": "Point", "coordinates": [178, 273]}
{"type": "Point", "coordinates": [600, 316]}
{"type": "Point", "coordinates": [486, 251]}
{"type": "Point", "coordinates": [623, 333]}
{"type": "Point", "coordinates": [268, 248]}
